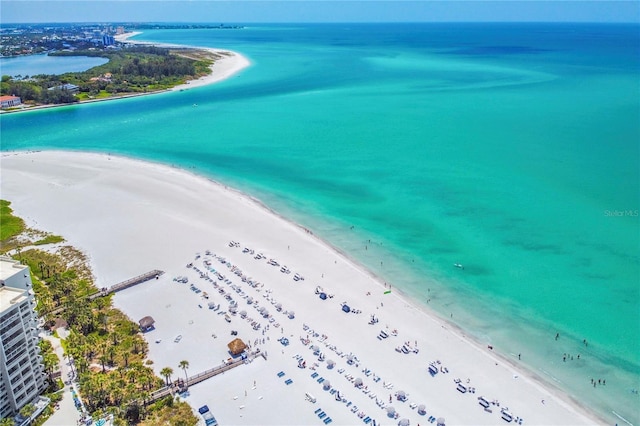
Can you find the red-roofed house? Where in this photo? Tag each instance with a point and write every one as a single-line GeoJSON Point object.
{"type": "Point", "coordinates": [10, 101]}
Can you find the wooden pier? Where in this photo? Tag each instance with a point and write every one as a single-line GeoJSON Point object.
{"type": "Point", "coordinates": [201, 377]}
{"type": "Point", "coordinates": [128, 283]}
{"type": "Point", "coordinates": [118, 287]}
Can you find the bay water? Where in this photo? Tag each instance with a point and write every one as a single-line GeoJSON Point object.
{"type": "Point", "coordinates": [28, 66]}
{"type": "Point", "coordinates": [511, 149]}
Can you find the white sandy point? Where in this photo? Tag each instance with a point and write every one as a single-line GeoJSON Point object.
{"type": "Point", "coordinates": [229, 64]}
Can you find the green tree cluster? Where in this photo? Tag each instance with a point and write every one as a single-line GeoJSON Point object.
{"type": "Point", "coordinates": [106, 349]}
{"type": "Point", "coordinates": [133, 70]}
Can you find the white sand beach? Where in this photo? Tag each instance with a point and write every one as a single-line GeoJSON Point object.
{"type": "Point", "coordinates": [131, 217]}
{"type": "Point", "coordinates": [228, 64]}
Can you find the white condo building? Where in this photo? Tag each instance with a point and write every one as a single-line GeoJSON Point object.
{"type": "Point", "coordinates": [22, 376]}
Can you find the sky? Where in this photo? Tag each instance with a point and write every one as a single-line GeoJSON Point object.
{"type": "Point", "coordinates": [264, 11]}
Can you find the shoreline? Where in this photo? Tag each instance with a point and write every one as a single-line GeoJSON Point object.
{"type": "Point", "coordinates": [414, 309]}
{"type": "Point", "coordinates": [229, 64]}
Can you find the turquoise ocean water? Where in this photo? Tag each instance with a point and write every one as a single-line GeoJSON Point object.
{"type": "Point", "coordinates": [513, 149]}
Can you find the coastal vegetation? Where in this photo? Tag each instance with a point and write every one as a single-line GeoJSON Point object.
{"type": "Point", "coordinates": [11, 225]}
{"type": "Point", "coordinates": [104, 348]}
{"type": "Point", "coordinates": [131, 70]}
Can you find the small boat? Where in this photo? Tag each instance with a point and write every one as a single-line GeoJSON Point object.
{"type": "Point", "coordinates": [458, 265]}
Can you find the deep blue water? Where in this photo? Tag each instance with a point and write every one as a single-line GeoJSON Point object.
{"type": "Point", "coordinates": [510, 148]}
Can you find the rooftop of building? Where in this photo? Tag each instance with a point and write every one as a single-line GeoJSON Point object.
{"type": "Point", "coordinates": [9, 267]}
{"type": "Point", "coordinates": [11, 296]}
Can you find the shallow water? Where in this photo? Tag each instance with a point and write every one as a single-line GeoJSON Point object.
{"type": "Point", "coordinates": [512, 149]}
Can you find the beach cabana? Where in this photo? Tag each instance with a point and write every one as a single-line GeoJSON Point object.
{"type": "Point", "coordinates": [323, 296]}
{"type": "Point", "coordinates": [358, 382]}
{"type": "Point", "coordinates": [278, 307]}
{"type": "Point", "coordinates": [292, 315]}
{"type": "Point", "coordinates": [346, 308]}
{"type": "Point", "coordinates": [403, 422]}
{"type": "Point", "coordinates": [243, 314]}
{"type": "Point", "coordinates": [236, 346]}
{"type": "Point", "coordinates": [390, 411]}
{"type": "Point", "coordinates": [422, 410]}
{"type": "Point", "coordinates": [326, 385]}
{"type": "Point", "coordinates": [330, 364]}
{"type": "Point", "coordinates": [440, 421]}
{"type": "Point", "coordinates": [401, 395]}
{"type": "Point", "coordinates": [146, 323]}
{"type": "Point", "coordinates": [233, 309]}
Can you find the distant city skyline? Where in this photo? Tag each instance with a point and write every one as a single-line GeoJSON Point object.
{"type": "Point", "coordinates": [267, 11]}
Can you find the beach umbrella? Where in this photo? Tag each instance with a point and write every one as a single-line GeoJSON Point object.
{"type": "Point", "coordinates": [422, 410]}
{"type": "Point", "coordinates": [146, 323]}
{"type": "Point", "coordinates": [440, 421]}
{"type": "Point", "coordinates": [330, 364]}
{"type": "Point", "coordinates": [346, 308]}
{"type": "Point", "coordinates": [358, 382]}
{"type": "Point", "coordinates": [401, 395]}
{"type": "Point", "coordinates": [391, 411]}
{"type": "Point", "coordinates": [323, 296]}
{"type": "Point", "coordinates": [236, 346]}
{"type": "Point", "coordinates": [291, 315]}
{"type": "Point", "coordinates": [326, 385]}
{"type": "Point", "coordinates": [403, 422]}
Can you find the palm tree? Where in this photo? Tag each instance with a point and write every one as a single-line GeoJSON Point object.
{"type": "Point", "coordinates": [184, 364]}
{"type": "Point", "coordinates": [166, 373]}
{"type": "Point", "coordinates": [51, 362]}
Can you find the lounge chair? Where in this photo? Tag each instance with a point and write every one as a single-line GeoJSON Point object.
{"type": "Point", "coordinates": [322, 415]}
{"type": "Point", "coordinates": [317, 411]}
{"type": "Point", "coordinates": [314, 375]}
{"type": "Point", "coordinates": [280, 374]}
{"type": "Point", "coordinates": [288, 381]}
{"type": "Point", "coordinates": [327, 420]}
